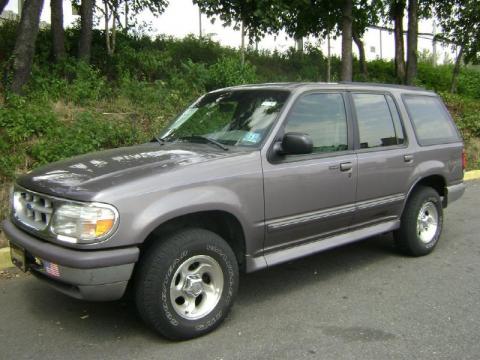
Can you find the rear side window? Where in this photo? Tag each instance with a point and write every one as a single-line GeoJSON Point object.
{"type": "Point", "coordinates": [323, 118]}
{"type": "Point", "coordinates": [431, 122]}
{"type": "Point", "coordinates": [376, 126]}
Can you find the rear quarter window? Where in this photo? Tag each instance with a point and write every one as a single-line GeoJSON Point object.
{"type": "Point", "coordinates": [430, 120]}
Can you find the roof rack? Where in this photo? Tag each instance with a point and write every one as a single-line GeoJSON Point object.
{"type": "Point", "coordinates": [396, 86]}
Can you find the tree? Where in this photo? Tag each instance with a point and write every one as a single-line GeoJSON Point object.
{"type": "Point", "coordinates": [3, 3]}
{"type": "Point", "coordinates": [347, 60]}
{"type": "Point", "coordinates": [86, 24]}
{"type": "Point", "coordinates": [25, 43]}
{"type": "Point", "coordinates": [299, 18]}
{"type": "Point", "coordinates": [111, 11]}
{"type": "Point", "coordinates": [460, 22]}
{"type": "Point", "coordinates": [361, 55]}
{"type": "Point", "coordinates": [412, 41]}
{"type": "Point", "coordinates": [365, 13]}
{"type": "Point", "coordinates": [396, 14]}
{"type": "Point", "coordinates": [58, 33]}
{"type": "Point", "coordinates": [258, 17]}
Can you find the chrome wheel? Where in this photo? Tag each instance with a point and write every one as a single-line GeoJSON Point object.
{"type": "Point", "coordinates": [427, 222]}
{"type": "Point", "coordinates": [196, 287]}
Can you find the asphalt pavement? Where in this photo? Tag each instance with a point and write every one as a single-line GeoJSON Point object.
{"type": "Point", "coordinates": [362, 301]}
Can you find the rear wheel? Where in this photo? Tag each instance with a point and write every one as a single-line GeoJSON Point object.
{"type": "Point", "coordinates": [421, 223]}
{"type": "Point", "coordinates": [185, 285]}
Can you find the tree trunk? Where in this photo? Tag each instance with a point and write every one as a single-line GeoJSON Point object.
{"type": "Point", "coordinates": [3, 3]}
{"type": "Point", "coordinates": [412, 40]}
{"type": "Point", "coordinates": [361, 55]}
{"type": "Point", "coordinates": [114, 30]}
{"type": "Point", "coordinates": [347, 60]}
{"type": "Point", "coordinates": [397, 15]}
{"type": "Point", "coordinates": [126, 16]}
{"type": "Point", "coordinates": [107, 30]}
{"type": "Point", "coordinates": [86, 21]}
{"type": "Point", "coordinates": [58, 33]}
{"type": "Point", "coordinates": [25, 43]}
{"type": "Point", "coordinates": [456, 71]}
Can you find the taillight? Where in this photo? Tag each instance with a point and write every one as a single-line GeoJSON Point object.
{"type": "Point", "coordinates": [464, 160]}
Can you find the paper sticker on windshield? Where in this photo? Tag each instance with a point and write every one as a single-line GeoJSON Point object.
{"type": "Point", "coordinates": [269, 103]}
{"type": "Point", "coordinates": [251, 137]}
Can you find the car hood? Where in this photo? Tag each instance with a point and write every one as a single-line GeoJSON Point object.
{"type": "Point", "coordinates": [75, 177]}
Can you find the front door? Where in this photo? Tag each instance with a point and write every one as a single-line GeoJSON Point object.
{"type": "Point", "coordinates": [311, 196]}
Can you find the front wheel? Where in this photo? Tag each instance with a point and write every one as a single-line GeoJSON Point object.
{"type": "Point", "coordinates": [421, 223]}
{"type": "Point", "coordinates": [185, 285]}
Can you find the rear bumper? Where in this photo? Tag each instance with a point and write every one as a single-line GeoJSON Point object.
{"type": "Point", "coordinates": [98, 275]}
{"type": "Point", "coordinates": [455, 192]}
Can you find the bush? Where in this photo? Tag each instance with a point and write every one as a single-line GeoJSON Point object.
{"type": "Point", "coordinates": [229, 71]}
{"type": "Point", "coordinates": [21, 123]}
{"type": "Point", "coordinates": [87, 133]}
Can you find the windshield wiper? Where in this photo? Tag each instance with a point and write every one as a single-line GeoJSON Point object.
{"type": "Point", "coordinates": [159, 140]}
{"type": "Point", "coordinates": [205, 139]}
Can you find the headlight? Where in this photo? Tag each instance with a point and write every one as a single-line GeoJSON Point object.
{"type": "Point", "coordinates": [76, 223]}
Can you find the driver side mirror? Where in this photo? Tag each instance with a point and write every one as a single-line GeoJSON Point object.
{"type": "Point", "coordinates": [294, 143]}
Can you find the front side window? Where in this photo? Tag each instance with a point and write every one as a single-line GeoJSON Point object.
{"type": "Point", "coordinates": [375, 123]}
{"type": "Point", "coordinates": [431, 122]}
{"type": "Point", "coordinates": [323, 118]}
{"type": "Point", "coordinates": [236, 118]}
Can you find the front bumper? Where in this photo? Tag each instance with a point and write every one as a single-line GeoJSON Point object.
{"type": "Point", "coordinates": [97, 275]}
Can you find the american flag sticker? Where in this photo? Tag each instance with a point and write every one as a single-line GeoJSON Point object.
{"type": "Point", "coordinates": [51, 268]}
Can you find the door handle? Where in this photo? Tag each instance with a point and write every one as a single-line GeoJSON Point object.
{"type": "Point", "coordinates": [346, 166]}
{"type": "Point", "coordinates": [408, 158]}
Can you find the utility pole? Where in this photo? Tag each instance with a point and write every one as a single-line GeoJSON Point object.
{"type": "Point", "coordinates": [434, 44]}
{"type": "Point", "coordinates": [381, 45]}
{"type": "Point", "coordinates": [199, 22]}
{"type": "Point", "coordinates": [328, 59]}
{"type": "Point", "coordinates": [20, 7]}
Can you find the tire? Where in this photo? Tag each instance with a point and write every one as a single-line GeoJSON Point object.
{"type": "Point", "coordinates": [186, 284]}
{"type": "Point", "coordinates": [419, 241]}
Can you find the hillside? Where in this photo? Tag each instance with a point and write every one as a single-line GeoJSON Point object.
{"type": "Point", "coordinates": [71, 108]}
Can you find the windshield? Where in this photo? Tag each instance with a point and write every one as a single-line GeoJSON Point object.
{"type": "Point", "coordinates": [238, 118]}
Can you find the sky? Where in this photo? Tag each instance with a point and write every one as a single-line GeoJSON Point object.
{"type": "Point", "coordinates": [181, 18]}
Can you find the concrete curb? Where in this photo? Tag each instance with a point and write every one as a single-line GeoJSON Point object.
{"type": "Point", "coordinates": [471, 175]}
{"type": "Point", "coordinates": [5, 262]}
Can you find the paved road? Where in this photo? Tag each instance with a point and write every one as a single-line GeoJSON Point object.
{"type": "Point", "coordinates": [362, 301]}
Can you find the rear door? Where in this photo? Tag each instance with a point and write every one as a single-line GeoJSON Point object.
{"type": "Point", "coordinates": [385, 163]}
{"type": "Point", "coordinates": [311, 196]}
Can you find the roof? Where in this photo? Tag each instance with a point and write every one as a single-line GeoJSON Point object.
{"type": "Point", "coordinates": [320, 85]}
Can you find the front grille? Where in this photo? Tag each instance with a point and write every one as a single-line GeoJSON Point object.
{"type": "Point", "coordinates": [32, 209]}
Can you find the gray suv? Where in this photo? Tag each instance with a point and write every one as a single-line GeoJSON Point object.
{"type": "Point", "coordinates": [245, 178]}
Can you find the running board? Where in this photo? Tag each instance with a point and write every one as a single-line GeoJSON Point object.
{"type": "Point", "coordinates": [323, 244]}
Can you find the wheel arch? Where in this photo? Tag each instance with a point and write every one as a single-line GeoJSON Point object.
{"type": "Point", "coordinates": [221, 222]}
{"type": "Point", "coordinates": [435, 181]}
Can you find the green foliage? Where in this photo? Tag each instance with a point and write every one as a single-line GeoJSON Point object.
{"type": "Point", "coordinates": [88, 132]}
{"type": "Point", "coordinates": [229, 71]}
{"type": "Point", "coordinates": [21, 123]}
{"type": "Point", "coordinates": [469, 83]}
{"type": "Point", "coordinates": [71, 108]}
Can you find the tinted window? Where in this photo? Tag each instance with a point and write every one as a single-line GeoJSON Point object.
{"type": "Point", "coordinates": [430, 120]}
{"type": "Point", "coordinates": [323, 118]}
{"type": "Point", "coordinates": [375, 123]}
